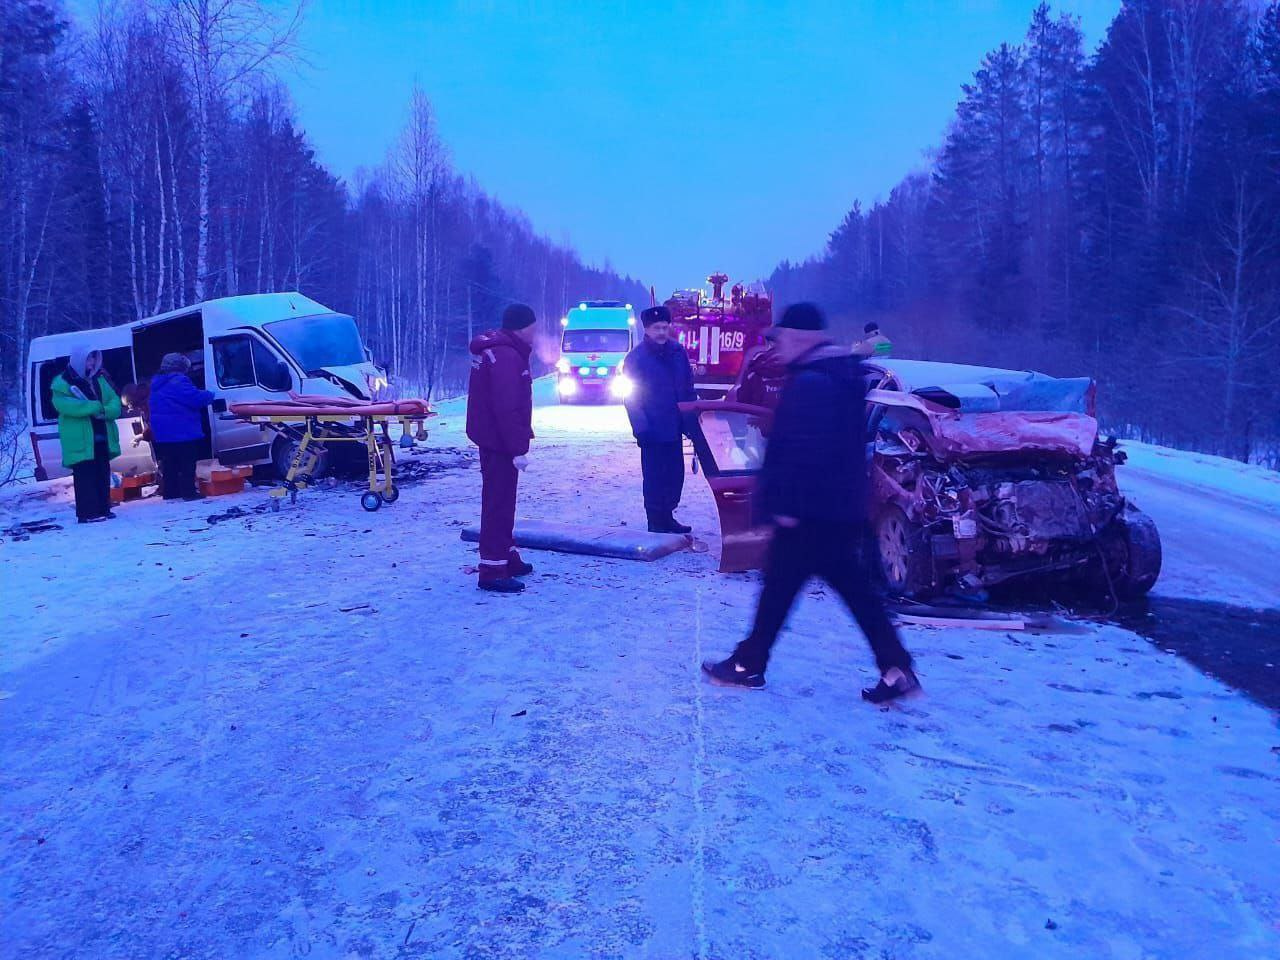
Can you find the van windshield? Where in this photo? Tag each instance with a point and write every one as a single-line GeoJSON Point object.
{"type": "Point", "coordinates": [328, 340]}
{"type": "Point", "coordinates": [596, 341]}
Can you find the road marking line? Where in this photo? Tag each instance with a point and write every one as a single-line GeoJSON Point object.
{"type": "Point", "coordinates": [699, 764]}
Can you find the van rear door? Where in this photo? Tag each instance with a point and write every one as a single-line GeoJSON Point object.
{"type": "Point", "coordinates": [44, 419]}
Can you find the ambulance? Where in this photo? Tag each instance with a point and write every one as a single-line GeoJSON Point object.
{"type": "Point", "coordinates": [596, 336]}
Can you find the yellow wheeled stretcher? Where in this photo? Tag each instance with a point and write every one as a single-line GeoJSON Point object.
{"type": "Point", "coordinates": [312, 423]}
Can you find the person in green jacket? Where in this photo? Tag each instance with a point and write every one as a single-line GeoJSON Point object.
{"type": "Point", "coordinates": [88, 407]}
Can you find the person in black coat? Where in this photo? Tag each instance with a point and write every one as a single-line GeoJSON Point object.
{"type": "Point", "coordinates": [659, 371]}
{"type": "Point", "coordinates": [813, 486]}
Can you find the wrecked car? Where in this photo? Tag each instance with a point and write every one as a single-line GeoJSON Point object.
{"type": "Point", "coordinates": [978, 477]}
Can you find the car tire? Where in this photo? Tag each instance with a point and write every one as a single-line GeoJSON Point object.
{"type": "Point", "coordinates": [1140, 552]}
{"type": "Point", "coordinates": [904, 557]}
{"type": "Point", "coordinates": [282, 452]}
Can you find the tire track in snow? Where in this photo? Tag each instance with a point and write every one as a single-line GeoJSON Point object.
{"type": "Point", "coordinates": [699, 765]}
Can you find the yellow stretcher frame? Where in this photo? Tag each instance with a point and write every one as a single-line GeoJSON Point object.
{"type": "Point", "coordinates": [318, 430]}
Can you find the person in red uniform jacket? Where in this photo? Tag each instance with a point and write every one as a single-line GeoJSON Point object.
{"type": "Point", "coordinates": [500, 423]}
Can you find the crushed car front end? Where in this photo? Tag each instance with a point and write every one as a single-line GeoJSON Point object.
{"type": "Point", "coordinates": [963, 501]}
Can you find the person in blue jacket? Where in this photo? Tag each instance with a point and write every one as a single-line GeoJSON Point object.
{"type": "Point", "coordinates": [176, 426]}
{"type": "Point", "coordinates": [659, 371]}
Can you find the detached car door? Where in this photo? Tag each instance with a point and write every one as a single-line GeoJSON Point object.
{"type": "Point", "coordinates": [730, 442]}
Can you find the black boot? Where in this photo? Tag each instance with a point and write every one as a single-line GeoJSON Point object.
{"type": "Point", "coordinates": [901, 683]}
{"type": "Point", "coordinates": [502, 585]}
{"type": "Point", "coordinates": [675, 526]}
{"type": "Point", "coordinates": [730, 673]}
{"type": "Point", "coordinates": [658, 523]}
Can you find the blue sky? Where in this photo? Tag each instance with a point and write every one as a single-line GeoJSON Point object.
{"type": "Point", "coordinates": [672, 138]}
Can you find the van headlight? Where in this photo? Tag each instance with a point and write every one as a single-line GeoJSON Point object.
{"type": "Point", "coordinates": [621, 387]}
{"type": "Point", "coordinates": [562, 365]}
{"type": "Point", "coordinates": [567, 387]}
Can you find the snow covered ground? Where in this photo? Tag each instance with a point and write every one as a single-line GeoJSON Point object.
{"type": "Point", "coordinates": [306, 733]}
{"type": "Point", "coordinates": [1219, 522]}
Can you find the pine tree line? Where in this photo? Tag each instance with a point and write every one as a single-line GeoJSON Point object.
{"type": "Point", "coordinates": [151, 159]}
{"type": "Point", "coordinates": [1116, 214]}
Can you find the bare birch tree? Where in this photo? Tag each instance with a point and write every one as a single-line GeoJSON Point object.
{"type": "Point", "coordinates": [222, 44]}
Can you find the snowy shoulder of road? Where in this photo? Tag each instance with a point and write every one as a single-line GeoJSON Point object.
{"type": "Point", "coordinates": [1219, 522]}
{"type": "Point", "coordinates": [1217, 476]}
{"type": "Point", "coordinates": [230, 732]}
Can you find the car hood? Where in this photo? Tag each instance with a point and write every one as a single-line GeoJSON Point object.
{"type": "Point", "coordinates": [956, 435]}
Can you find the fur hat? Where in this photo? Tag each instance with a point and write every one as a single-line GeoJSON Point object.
{"type": "Point", "coordinates": [655, 315]}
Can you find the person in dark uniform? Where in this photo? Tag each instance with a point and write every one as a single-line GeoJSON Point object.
{"type": "Point", "coordinates": [662, 378]}
{"type": "Point", "coordinates": [813, 487]}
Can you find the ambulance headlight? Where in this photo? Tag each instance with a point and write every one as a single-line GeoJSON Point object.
{"type": "Point", "coordinates": [621, 387]}
{"type": "Point", "coordinates": [562, 365]}
{"type": "Point", "coordinates": [567, 387]}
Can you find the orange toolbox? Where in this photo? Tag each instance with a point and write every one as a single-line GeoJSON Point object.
{"type": "Point", "coordinates": [215, 480]}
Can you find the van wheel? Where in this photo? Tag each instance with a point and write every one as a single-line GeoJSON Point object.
{"type": "Point", "coordinates": [904, 559]}
{"type": "Point", "coordinates": [283, 450]}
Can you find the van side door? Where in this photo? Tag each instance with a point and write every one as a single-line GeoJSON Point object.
{"type": "Point", "coordinates": [244, 370]}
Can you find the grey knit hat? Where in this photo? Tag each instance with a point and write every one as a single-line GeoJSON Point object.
{"type": "Point", "coordinates": [175, 363]}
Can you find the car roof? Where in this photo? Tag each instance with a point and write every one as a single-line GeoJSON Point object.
{"type": "Point", "coordinates": [921, 374]}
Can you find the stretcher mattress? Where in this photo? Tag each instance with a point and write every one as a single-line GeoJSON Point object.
{"type": "Point", "coordinates": [619, 542]}
{"type": "Point", "coordinates": [302, 405]}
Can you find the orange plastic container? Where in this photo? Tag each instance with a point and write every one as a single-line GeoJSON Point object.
{"type": "Point", "coordinates": [215, 480]}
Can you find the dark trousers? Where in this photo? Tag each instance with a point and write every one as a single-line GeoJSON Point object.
{"type": "Point", "coordinates": [178, 467]}
{"type": "Point", "coordinates": [92, 482]}
{"type": "Point", "coordinates": [662, 465]}
{"type": "Point", "coordinates": [498, 480]}
{"type": "Point", "coordinates": [829, 551]}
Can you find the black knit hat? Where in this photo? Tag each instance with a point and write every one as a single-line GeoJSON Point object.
{"type": "Point", "coordinates": [871, 327]}
{"type": "Point", "coordinates": [803, 316]}
{"type": "Point", "coordinates": [655, 315]}
{"type": "Point", "coordinates": [518, 316]}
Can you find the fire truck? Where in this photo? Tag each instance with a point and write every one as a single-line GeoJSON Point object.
{"type": "Point", "coordinates": [719, 330]}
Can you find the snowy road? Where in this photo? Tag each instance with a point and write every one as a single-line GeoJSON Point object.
{"type": "Point", "coordinates": [1217, 533]}
{"type": "Point", "coordinates": [306, 733]}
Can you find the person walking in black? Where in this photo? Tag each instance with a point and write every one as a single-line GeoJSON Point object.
{"type": "Point", "coordinates": [813, 485]}
{"type": "Point", "coordinates": [659, 370]}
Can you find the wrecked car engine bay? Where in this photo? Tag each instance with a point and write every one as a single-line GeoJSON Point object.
{"type": "Point", "coordinates": [969, 492]}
